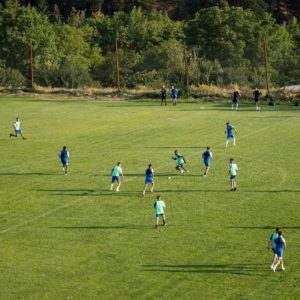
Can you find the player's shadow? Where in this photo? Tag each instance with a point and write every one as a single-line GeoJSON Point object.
{"type": "Point", "coordinates": [275, 191]}
{"type": "Point", "coordinates": [25, 174]}
{"type": "Point", "coordinates": [235, 269]}
{"type": "Point", "coordinates": [267, 227]}
{"type": "Point", "coordinates": [176, 147]}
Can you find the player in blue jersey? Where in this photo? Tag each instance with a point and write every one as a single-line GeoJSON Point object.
{"type": "Point", "coordinates": [174, 95]}
{"type": "Point", "coordinates": [207, 156]}
{"type": "Point", "coordinates": [232, 173]}
{"type": "Point", "coordinates": [181, 162]}
{"type": "Point", "coordinates": [116, 172]}
{"type": "Point", "coordinates": [149, 179]}
{"type": "Point", "coordinates": [230, 132]}
{"type": "Point", "coordinates": [64, 156]}
{"type": "Point", "coordinates": [18, 130]}
{"type": "Point", "coordinates": [271, 244]}
{"type": "Point", "coordinates": [280, 246]}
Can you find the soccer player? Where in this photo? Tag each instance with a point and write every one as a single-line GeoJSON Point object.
{"type": "Point", "coordinates": [174, 95]}
{"type": "Point", "coordinates": [149, 179]}
{"type": "Point", "coordinates": [256, 95]}
{"type": "Point", "coordinates": [233, 168]}
{"type": "Point", "coordinates": [18, 130]}
{"type": "Point", "coordinates": [271, 244]}
{"type": "Point", "coordinates": [64, 156]}
{"type": "Point", "coordinates": [230, 131]}
{"type": "Point", "coordinates": [116, 172]}
{"type": "Point", "coordinates": [159, 206]}
{"type": "Point", "coordinates": [181, 162]}
{"type": "Point", "coordinates": [207, 156]}
{"type": "Point", "coordinates": [280, 246]}
{"type": "Point", "coordinates": [235, 99]}
{"type": "Point", "coordinates": [163, 94]}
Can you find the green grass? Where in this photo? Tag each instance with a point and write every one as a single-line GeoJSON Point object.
{"type": "Point", "coordinates": [70, 237]}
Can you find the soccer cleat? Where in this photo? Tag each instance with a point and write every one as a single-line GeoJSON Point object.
{"type": "Point", "coordinates": [10, 135]}
{"type": "Point", "coordinates": [117, 190]}
{"type": "Point", "coordinates": [235, 188]}
{"type": "Point", "coordinates": [181, 171]}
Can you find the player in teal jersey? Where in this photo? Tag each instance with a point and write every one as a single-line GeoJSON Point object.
{"type": "Point", "coordinates": [280, 246]}
{"type": "Point", "coordinates": [181, 162]}
{"type": "Point", "coordinates": [232, 172]}
{"type": "Point", "coordinates": [116, 172]}
{"type": "Point", "coordinates": [271, 244]}
{"type": "Point", "coordinates": [159, 206]}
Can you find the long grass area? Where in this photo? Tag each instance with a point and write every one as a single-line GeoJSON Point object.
{"type": "Point", "coordinates": [70, 237]}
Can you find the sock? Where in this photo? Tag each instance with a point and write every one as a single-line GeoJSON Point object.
{"type": "Point", "coordinates": [282, 267]}
{"type": "Point", "coordinates": [234, 141]}
{"type": "Point", "coordinates": [226, 144]}
{"type": "Point", "coordinates": [275, 266]}
{"type": "Point", "coordinates": [152, 190]}
{"type": "Point", "coordinates": [236, 107]}
{"type": "Point", "coordinates": [111, 186]}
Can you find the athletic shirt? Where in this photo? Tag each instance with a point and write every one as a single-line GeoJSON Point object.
{"type": "Point", "coordinates": [163, 92]}
{"type": "Point", "coordinates": [207, 155]}
{"type": "Point", "coordinates": [159, 206]}
{"type": "Point", "coordinates": [233, 168]}
{"type": "Point", "coordinates": [256, 95]}
{"type": "Point", "coordinates": [64, 155]}
{"type": "Point", "coordinates": [273, 237]}
{"type": "Point", "coordinates": [149, 172]}
{"type": "Point", "coordinates": [179, 159]}
{"type": "Point", "coordinates": [229, 129]}
{"type": "Point", "coordinates": [279, 243]}
{"type": "Point", "coordinates": [116, 171]}
{"type": "Point", "coordinates": [174, 93]}
{"type": "Point", "coordinates": [17, 125]}
{"type": "Point", "coordinates": [236, 96]}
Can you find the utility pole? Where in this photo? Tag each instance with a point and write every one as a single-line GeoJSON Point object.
{"type": "Point", "coordinates": [117, 66]}
{"type": "Point", "coordinates": [186, 68]}
{"type": "Point", "coordinates": [266, 65]}
{"type": "Point", "coordinates": [31, 64]}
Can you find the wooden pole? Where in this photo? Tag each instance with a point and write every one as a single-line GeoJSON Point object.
{"type": "Point", "coordinates": [186, 68]}
{"type": "Point", "coordinates": [31, 64]}
{"type": "Point", "coordinates": [266, 66]}
{"type": "Point", "coordinates": [117, 66]}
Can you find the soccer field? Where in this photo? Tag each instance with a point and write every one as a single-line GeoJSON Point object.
{"type": "Point", "coordinates": [70, 237]}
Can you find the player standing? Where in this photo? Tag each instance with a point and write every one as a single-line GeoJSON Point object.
{"type": "Point", "coordinates": [280, 246]}
{"type": "Point", "coordinates": [230, 131]}
{"type": "Point", "coordinates": [18, 130]}
{"type": "Point", "coordinates": [64, 156]}
{"type": "Point", "coordinates": [181, 162]}
{"type": "Point", "coordinates": [235, 99]}
{"type": "Point", "coordinates": [233, 168]}
{"type": "Point", "coordinates": [271, 244]}
{"type": "Point", "coordinates": [163, 94]}
{"type": "Point", "coordinates": [116, 172]}
{"type": "Point", "coordinates": [149, 179]}
{"type": "Point", "coordinates": [174, 95]}
{"type": "Point", "coordinates": [256, 95]}
{"type": "Point", "coordinates": [207, 156]}
{"type": "Point", "coordinates": [159, 206]}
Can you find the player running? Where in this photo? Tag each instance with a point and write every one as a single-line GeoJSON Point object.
{"type": "Point", "coordinates": [233, 168]}
{"type": "Point", "coordinates": [163, 95]}
{"type": "Point", "coordinates": [256, 95]}
{"type": "Point", "coordinates": [230, 131]}
{"type": "Point", "coordinates": [235, 99]}
{"type": "Point", "coordinates": [116, 172]}
{"type": "Point", "coordinates": [18, 130]}
{"type": "Point", "coordinates": [271, 244]}
{"type": "Point", "coordinates": [64, 156]}
{"type": "Point", "coordinates": [159, 206]}
{"type": "Point", "coordinates": [181, 162]}
{"type": "Point", "coordinates": [174, 95]}
{"type": "Point", "coordinates": [149, 179]}
{"type": "Point", "coordinates": [280, 246]}
{"type": "Point", "coordinates": [207, 156]}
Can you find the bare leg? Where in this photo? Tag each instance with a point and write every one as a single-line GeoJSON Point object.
{"type": "Point", "coordinates": [152, 188]}
{"type": "Point", "coordinates": [145, 187]}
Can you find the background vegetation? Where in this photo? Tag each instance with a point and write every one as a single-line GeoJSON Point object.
{"type": "Point", "coordinates": [74, 42]}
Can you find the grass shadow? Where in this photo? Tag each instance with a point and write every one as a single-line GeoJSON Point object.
{"type": "Point", "coordinates": [267, 227]}
{"type": "Point", "coordinates": [26, 174]}
{"type": "Point", "coordinates": [235, 269]}
{"type": "Point", "coordinates": [101, 227]}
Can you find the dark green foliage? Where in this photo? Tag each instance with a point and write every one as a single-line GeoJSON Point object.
{"type": "Point", "coordinates": [74, 42]}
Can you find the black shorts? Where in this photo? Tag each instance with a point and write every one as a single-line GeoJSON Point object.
{"type": "Point", "coordinates": [256, 100]}
{"type": "Point", "coordinates": [163, 97]}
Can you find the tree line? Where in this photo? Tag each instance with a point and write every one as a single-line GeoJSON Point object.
{"type": "Point", "coordinates": [74, 43]}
